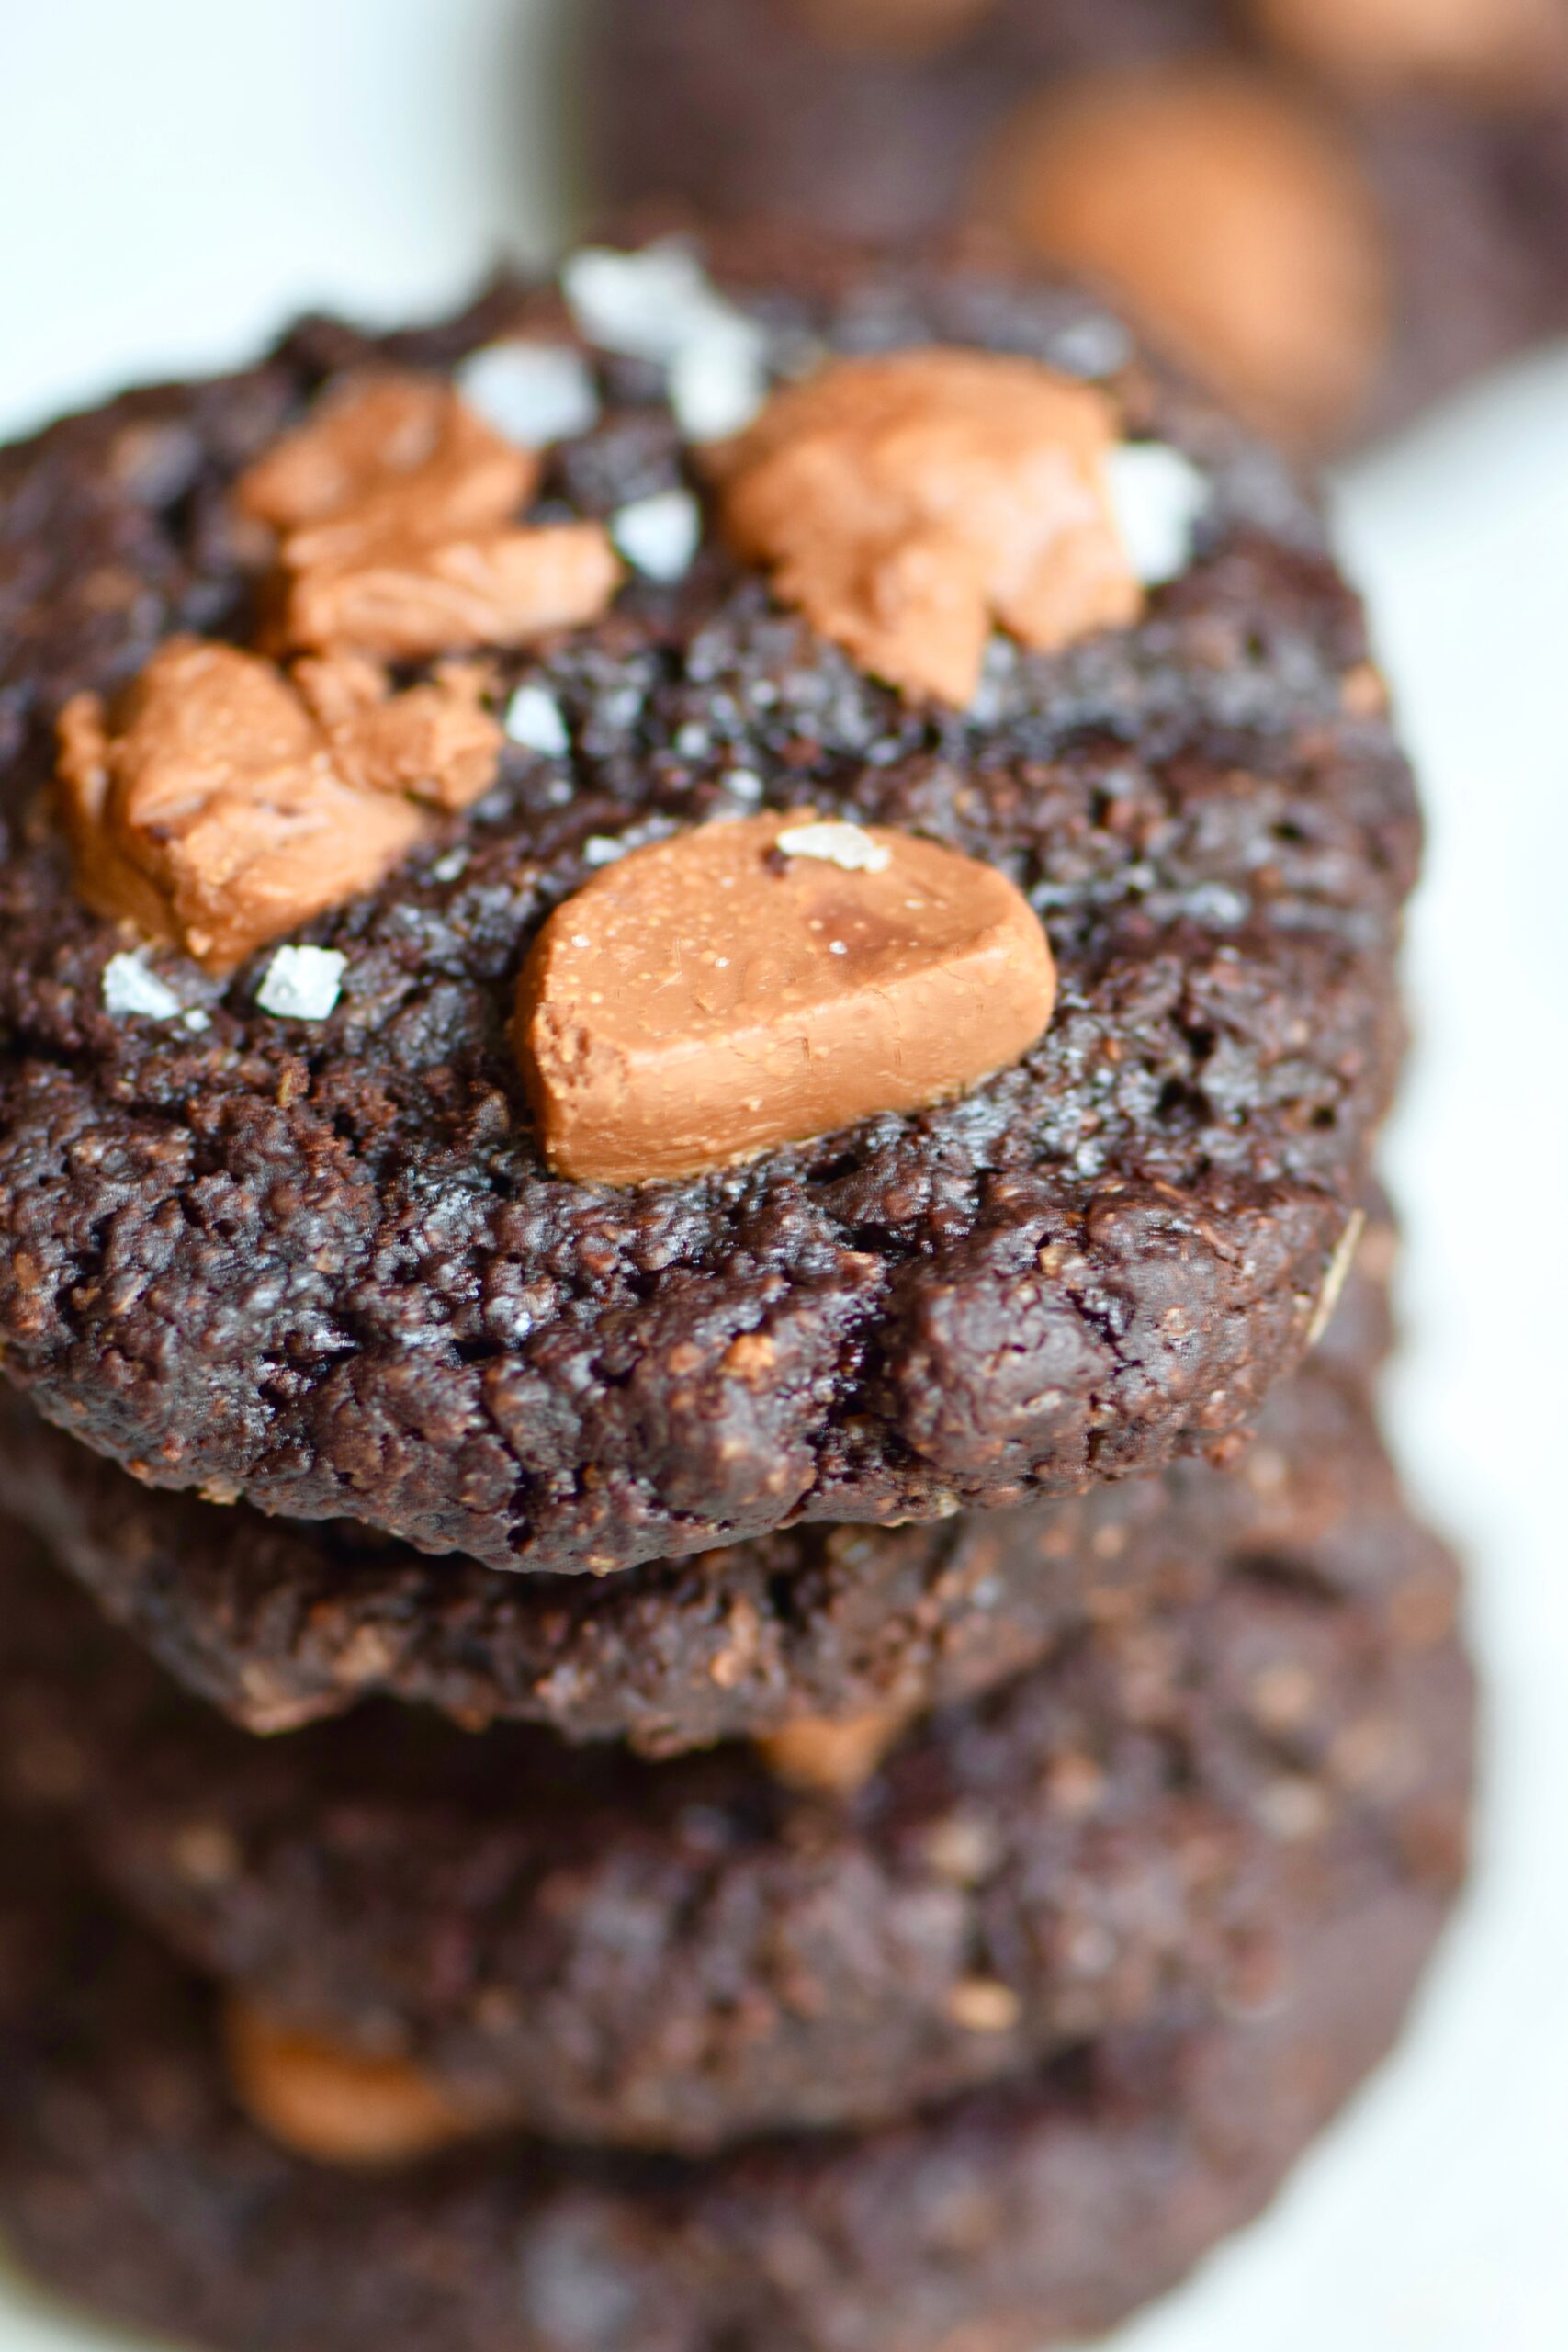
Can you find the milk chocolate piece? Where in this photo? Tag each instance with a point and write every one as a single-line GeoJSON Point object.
{"type": "Point", "coordinates": [396, 508]}
{"type": "Point", "coordinates": [218, 803]}
{"type": "Point", "coordinates": [828, 1758]}
{"type": "Point", "coordinates": [437, 742]}
{"type": "Point", "coordinates": [404, 599]}
{"type": "Point", "coordinates": [905, 504]}
{"type": "Point", "coordinates": [1228, 214]}
{"type": "Point", "coordinates": [1486, 50]}
{"type": "Point", "coordinates": [712, 996]}
{"type": "Point", "coordinates": [206, 805]}
{"type": "Point", "coordinates": [337, 2106]}
{"type": "Point", "coordinates": [385, 455]}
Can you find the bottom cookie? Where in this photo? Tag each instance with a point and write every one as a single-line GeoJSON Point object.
{"type": "Point", "coordinates": [131, 2181]}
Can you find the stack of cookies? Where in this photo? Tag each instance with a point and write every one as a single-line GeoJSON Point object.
{"type": "Point", "coordinates": [706, 1644]}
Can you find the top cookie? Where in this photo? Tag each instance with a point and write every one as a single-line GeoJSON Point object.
{"type": "Point", "coordinates": [748, 886]}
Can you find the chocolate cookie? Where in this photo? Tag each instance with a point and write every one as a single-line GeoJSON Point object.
{"type": "Point", "coordinates": [683, 1954]}
{"type": "Point", "coordinates": [1334, 213]}
{"type": "Point", "coordinates": [280, 1622]}
{"type": "Point", "coordinates": [1017, 2216]}
{"type": "Point", "coordinates": [285, 1227]}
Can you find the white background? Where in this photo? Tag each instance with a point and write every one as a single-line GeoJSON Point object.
{"type": "Point", "coordinates": [177, 175]}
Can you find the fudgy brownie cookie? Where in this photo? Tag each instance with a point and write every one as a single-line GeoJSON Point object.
{"type": "Point", "coordinates": [131, 2180]}
{"type": "Point", "coordinates": [280, 1622]}
{"type": "Point", "coordinates": [1335, 212]}
{"type": "Point", "coordinates": [282, 1220]}
{"type": "Point", "coordinates": [685, 1954]}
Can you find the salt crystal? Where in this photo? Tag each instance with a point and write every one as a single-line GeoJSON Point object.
{"type": "Point", "coordinates": [659, 534]}
{"type": "Point", "coordinates": [718, 381]}
{"type": "Point", "coordinates": [533, 393]}
{"type": "Point", "coordinates": [130, 988]}
{"type": "Point", "coordinates": [1157, 496]}
{"type": "Point", "coordinates": [837, 844]}
{"type": "Point", "coordinates": [1094, 345]}
{"type": "Point", "coordinates": [533, 719]}
{"type": "Point", "coordinates": [302, 983]}
{"type": "Point", "coordinates": [661, 305]}
{"type": "Point", "coordinates": [649, 304]}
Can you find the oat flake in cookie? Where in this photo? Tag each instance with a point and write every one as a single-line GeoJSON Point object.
{"type": "Point", "coordinates": [286, 1229]}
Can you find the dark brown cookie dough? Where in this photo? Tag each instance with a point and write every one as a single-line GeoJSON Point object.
{"type": "Point", "coordinates": [1418, 211]}
{"type": "Point", "coordinates": [685, 1954]}
{"type": "Point", "coordinates": [1018, 2216]}
{"type": "Point", "coordinates": [280, 1622]}
{"type": "Point", "coordinates": [318, 1263]}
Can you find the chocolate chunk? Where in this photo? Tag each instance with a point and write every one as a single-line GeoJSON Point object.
{"type": "Point", "coordinates": [207, 808]}
{"type": "Point", "coordinates": [436, 741]}
{"type": "Point", "coordinates": [405, 598]}
{"type": "Point", "coordinates": [395, 503]}
{"type": "Point", "coordinates": [384, 455]}
{"type": "Point", "coordinates": [1482, 50]}
{"type": "Point", "coordinates": [220, 803]}
{"type": "Point", "coordinates": [334, 2105]}
{"type": "Point", "coordinates": [906, 503]}
{"type": "Point", "coordinates": [1234, 222]}
{"type": "Point", "coordinates": [830, 1758]}
{"type": "Point", "coordinates": [746, 985]}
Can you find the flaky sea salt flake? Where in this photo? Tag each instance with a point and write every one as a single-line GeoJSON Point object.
{"type": "Point", "coordinates": [532, 393]}
{"type": "Point", "coordinates": [302, 983]}
{"type": "Point", "coordinates": [1157, 495]}
{"type": "Point", "coordinates": [533, 719]}
{"type": "Point", "coordinates": [720, 381]}
{"type": "Point", "coordinates": [659, 534]}
{"type": "Point", "coordinates": [845, 846]}
{"type": "Point", "coordinates": [649, 304]}
{"type": "Point", "coordinates": [130, 988]}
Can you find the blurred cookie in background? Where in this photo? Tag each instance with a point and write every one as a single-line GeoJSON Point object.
{"type": "Point", "coordinates": [1332, 214]}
